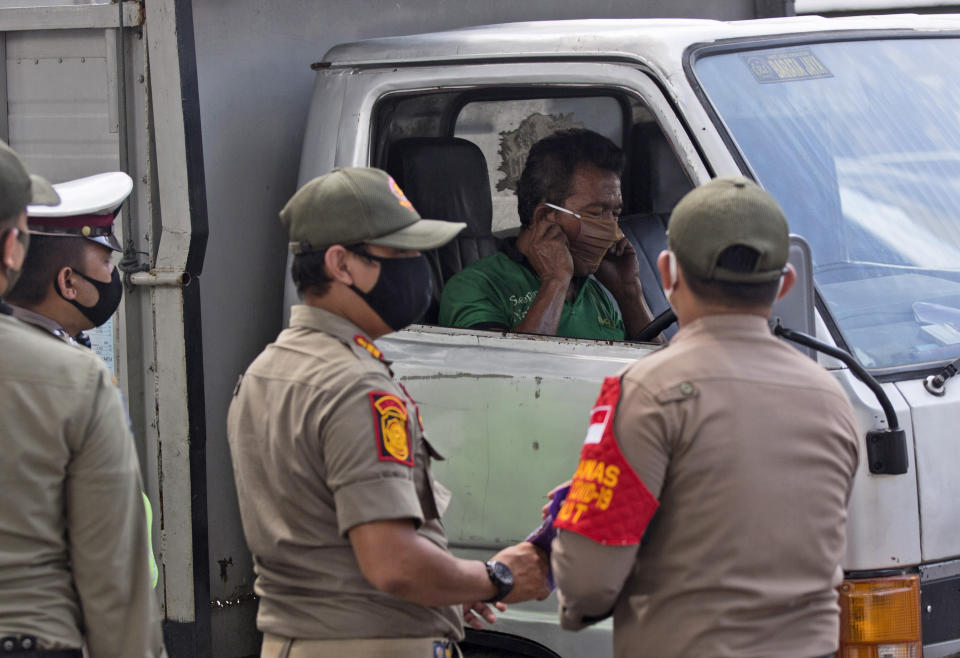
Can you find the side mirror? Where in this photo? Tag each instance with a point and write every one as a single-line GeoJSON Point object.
{"type": "Point", "coordinates": [795, 310]}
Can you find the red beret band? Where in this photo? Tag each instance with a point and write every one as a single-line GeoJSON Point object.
{"type": "Point", "coordinates": [72, 224]}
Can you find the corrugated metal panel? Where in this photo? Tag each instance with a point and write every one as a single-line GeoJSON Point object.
{"type": "Point", "coordinates": [57, 91]}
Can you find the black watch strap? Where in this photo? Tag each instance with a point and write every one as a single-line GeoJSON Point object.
{"type": "Point", "coordinates": [501, 577]}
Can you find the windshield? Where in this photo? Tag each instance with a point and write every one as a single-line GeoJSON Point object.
{"type": "Point", "coordinates": [860, 143]}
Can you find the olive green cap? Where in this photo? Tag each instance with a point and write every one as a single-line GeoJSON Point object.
{"type": "Point", "coordinates": [723, 213]}
{"type": "Point", "coordinates": [19, 188]}
{"type": "Point", "coordinates": [359, 204]}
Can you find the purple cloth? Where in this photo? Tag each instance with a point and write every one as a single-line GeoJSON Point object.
{"type": "Point", "coordinates": [544, 534]}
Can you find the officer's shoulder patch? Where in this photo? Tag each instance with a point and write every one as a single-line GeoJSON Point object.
{"type": "Point", "coordinates": [368, 345]}
{"type": "Point", "coordinates": [678, 392]}
{"type": "Point", "coordinates": [390, 419]}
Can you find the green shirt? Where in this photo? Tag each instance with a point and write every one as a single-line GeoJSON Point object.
{"type": "Point", "coordinates": [498, 290]}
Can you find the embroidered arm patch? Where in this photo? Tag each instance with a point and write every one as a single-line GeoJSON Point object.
{"type": "Point", "coordinates": [393, 435]}
{"type": "Point", "coordinates": [608, 502]}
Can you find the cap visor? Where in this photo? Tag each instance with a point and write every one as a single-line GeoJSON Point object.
{"type": "Point", "coordinates": [109, 240]}
{"type": "Point", "coordinates": [424, 234]}
{"type": "Point", "coordinates": [42, 192]}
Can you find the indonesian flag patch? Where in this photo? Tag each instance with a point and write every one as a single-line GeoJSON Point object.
{"type": "Point", "coordinates": [608, 502]}
{"type": "Point", "coordinates": [393, 434]}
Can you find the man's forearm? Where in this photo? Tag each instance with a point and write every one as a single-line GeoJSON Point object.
{"type": "Point", "coordinates": [589, 577]}
{"type": "Point", "coordinates": [434, 577]}
{"type": "Point", "coordinates": [634, 310]}
{"type": "Point", "coordinates": [543, 317]}
{"type": "Point", "coordinates": [417, 570]}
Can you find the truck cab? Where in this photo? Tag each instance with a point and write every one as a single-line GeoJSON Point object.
{"type": "Point", "coordinates": [851, 123]}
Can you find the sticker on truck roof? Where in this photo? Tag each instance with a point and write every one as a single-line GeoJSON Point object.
{"type": "Point", "coordinates": [787, 66]}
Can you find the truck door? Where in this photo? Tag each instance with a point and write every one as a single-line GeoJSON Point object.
{"type": "Point", "coordinates": [508, 411]}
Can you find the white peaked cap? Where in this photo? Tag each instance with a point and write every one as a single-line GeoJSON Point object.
{"type": "Point", "coordinates": [93, 195]}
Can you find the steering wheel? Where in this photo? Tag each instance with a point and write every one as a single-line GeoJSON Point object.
{"type": "Point", "coordinates": [657, 325]}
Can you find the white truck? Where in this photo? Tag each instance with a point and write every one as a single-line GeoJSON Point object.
{"type": "Point", "coordinates": [852, 123]}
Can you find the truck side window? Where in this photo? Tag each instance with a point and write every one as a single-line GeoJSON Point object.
{"type": "Point", "coordinates": [506, 129]}
{"type": "Point", "coordinates": [458, 155]}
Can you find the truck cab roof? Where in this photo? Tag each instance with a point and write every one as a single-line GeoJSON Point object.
{"type": "Point", "coordinates": [652, 41]}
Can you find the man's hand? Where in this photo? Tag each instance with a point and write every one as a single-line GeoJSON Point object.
{"type": "Point", "coordinates": [619, 270]}
{"type": "Point", "coordinates": [529, 566]}
{"type": "Point", "coordinates": [472, 612]}
{"type": "Point", "coordinates": [545, 246]}
{"type": "Point", "coordinates": [546, 507]}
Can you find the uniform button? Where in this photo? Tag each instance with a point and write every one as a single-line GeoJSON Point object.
{"type": "Point", "coordinates": [9, 644]}
{"type": "Point", "coordinates": [26, 643]}
{"type": "Point", "coordinates": [686, 388]}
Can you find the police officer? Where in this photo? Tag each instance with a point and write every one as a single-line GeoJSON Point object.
{"type": "Point", "coordinates": [74, 560]}
{"type": "Point", "coordinates": [739, 449]}
{"type": "Point", "coordinates": [69, 283]}
{"type": "Point", "coordinates": [332, 467]}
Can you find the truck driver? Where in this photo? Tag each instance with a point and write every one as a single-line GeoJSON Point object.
{"type": "Point", "coordinates": [569, 202]}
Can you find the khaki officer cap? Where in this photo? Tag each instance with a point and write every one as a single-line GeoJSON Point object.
{"type": "Point", "coordinates": [729, 212]}
{"type": "Point", "coordinates": [359, 204]}
{"type": "Point", "coordinates": [19, 188]}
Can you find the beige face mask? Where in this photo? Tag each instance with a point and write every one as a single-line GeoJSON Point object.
{"type": "Point", "coordinates": [596, 237]}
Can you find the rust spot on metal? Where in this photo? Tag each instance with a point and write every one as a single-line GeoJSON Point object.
{"type": "Point", "coordinates": [224, 563]}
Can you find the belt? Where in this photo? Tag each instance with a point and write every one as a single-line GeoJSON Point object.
{"type": "Point", "coordinates": [25, 646]}
{"type": "Point", "coordinates": [275, 646]}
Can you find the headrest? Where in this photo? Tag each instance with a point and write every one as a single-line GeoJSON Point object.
{"type": "Point", "coordinates": [445, 177]}
{"type": "Point", "coordinates": [660, 177]}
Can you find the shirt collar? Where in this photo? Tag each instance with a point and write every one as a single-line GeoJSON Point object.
{"type": "Point", "coordinates": [741, 325]}
{"type": "Point", "coordinates": [317, 319]}
{"type": "Point", "coordinates": [41, 322]}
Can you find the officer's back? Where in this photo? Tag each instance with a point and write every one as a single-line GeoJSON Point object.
{"type": "Point", "coordinates": [74, 558]}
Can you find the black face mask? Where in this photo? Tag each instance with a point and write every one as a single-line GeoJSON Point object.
{"type": "Point", "coordinates": [110, 294]}
{"type": "Point", "coordinates": [402, 293]}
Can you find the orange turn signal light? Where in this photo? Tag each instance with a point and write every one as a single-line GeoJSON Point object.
{"type": "Point", "coordinates": [880, 618]}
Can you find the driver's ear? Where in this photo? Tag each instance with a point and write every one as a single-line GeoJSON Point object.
{"type": "Point", "coordinates": [540, 213]}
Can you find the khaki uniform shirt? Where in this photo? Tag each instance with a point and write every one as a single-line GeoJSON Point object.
{"type": "Point", "coordinates": [324, 439]}
{"type": "Point", "coordinates": [742, 451]}
{"type": "Point", "coordinates": [74, 563]}
{"type": "Point", "coordinates": [43, 323]}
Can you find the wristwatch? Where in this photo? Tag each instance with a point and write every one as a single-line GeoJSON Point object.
{"type": "Point", "coordinates": [501, 577]}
